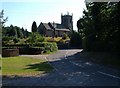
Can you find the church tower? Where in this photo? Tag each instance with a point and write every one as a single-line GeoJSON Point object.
{"type": "Point", "coordinates": [67, 21]}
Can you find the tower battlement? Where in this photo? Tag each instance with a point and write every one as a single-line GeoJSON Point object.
{"type": "Point", "coordinates": [67, 21]}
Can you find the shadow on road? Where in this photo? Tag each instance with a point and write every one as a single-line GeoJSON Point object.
{"type": "Point", "coordinates": [65, 73]}
{"type": "Point", "coordinates": [44, 66]}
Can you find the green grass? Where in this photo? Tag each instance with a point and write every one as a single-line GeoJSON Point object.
{"type": "Point", "coordinates": [24, 66]}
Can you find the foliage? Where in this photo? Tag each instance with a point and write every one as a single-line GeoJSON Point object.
{"type": "Point", "coordinates": [65, 36]}
{"type": "Point", "coordinates": [35, 38]}
{"type": "Point", "coordinates": [7, 40]}
{"type": "Point", "coordinates": [75, 39]}
{"type": "Point", "coordinates": [2, 19]}
{"type": "Point", "coordinates": [100, 24]}
{"type": "Point", "coordinates": [50, 39]}
{"type": "Point", "coordinates": [50, 47]}
{"type": "Point", "coordinates": [47, 46]}
{"type": "Point", "coordinates": [34, 27]}
{"type": "Point", "coordinates": [19, 32]}
{"type": "Point", "coordinates": [13, 34]}
{"type": "Point", "coordinates": [16, 40]}
{"type": "Point", "coordinates": [14, 31]}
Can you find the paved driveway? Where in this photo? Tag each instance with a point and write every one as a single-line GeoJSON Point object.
{"type": "Point", "coordinates": [70, 69]}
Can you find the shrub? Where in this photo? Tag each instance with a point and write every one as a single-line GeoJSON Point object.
{"type": "Point", "coordinates": [90, 43]}
{"type": "Point", "coordinates": [75, 40]}
{"type": "Point", "coordinates": [50, 39]}
{"type": "Point", "coordinates": [41, 47]}
{"type": "Point", "coordinates": [35, 38]}
{"type": "Point", "coordinates": [7, 40]}
{"type": "Point", "coordinates": [65, 36]}
{"type": "Point", "coordinates": [16, 40]}
{"type": "Point", "coordinates": [47, 46]}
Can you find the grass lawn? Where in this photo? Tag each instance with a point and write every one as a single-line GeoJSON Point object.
{"type": "Point", "coordinates": [24, 66]}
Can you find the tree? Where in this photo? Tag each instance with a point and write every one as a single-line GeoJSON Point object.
{"type": "Point", "coordinates": [34, 27]}
{"type": "Point", "coordinates": [76, 39]}
{"type": "Point", "coordinates": [100, 25]}
{"type": "Point", "coordinates": [26, 33]}
{"type": "Point", "coordinates": [19, 32]}
{"type": "Point", "coordinates": [13, 31]}
{"type": "Point", "coordinates": [2, 19]}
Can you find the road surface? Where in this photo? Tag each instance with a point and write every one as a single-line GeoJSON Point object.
{"type": "Point", "coordinates": [70, 69]}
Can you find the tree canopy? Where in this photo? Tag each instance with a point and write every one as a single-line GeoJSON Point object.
{"type": "Point", "coordinates": [34, 27]}
{"type": "Point", "coordinates": [2, 19]}
{"type": "Point", "coordinates": [100, 24]}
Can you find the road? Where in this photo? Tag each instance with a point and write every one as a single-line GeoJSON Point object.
{"type": "Point", "coordinates": [70, 69]}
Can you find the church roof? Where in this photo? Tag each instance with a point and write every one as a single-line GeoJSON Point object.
{"type": "Point", "coordinates": [62, 29]}
{"type": "Point", "coordinates": [60, 26]}
{"type": "Point", "coordinates": [47, 26]}
{"type": "Point", "coordinates": [56, 26]}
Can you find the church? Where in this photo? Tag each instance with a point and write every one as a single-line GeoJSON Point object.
{"type": "Point", "coordinates": [56, 29]}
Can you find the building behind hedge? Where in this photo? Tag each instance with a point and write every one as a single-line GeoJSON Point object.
{"type": "Point", "coordinates": [56, 29]}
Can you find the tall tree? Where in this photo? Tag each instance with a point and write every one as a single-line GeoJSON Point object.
{"type": "Point", "coordinates": [19, 32]}
{"type": "Point", "coordinates": [100, 23]}
{"type": "Point", "coordinates": [13, 31]}
{"type": "Point", "coordinates": [34, 27]}
{"type": "Point", "coordinates": [26, 33]}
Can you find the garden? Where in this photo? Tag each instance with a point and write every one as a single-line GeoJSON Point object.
{"type": "Point", "coordinates": [33, 44]}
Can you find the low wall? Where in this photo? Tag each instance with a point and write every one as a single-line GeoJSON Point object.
{"type": "Point", "coordinates": [10, 52]}
{"type": "Point", "coordinates": [30, 51]}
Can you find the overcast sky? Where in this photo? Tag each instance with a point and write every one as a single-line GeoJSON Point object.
{"type": "Point", "coordinates": [23, 13]}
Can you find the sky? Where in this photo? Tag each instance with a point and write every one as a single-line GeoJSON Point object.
{"type": "Point", "coordinates": [23, 13]}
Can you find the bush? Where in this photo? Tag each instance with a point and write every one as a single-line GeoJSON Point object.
{"type": "Point", "coordinates": [7, 40]}
{"type": "Point", "coordinates": [65, 36]}
{"type": "Point", "coordinates": [75, 40]}
{"type": "Point", "coordinates": [41, 47]}
{"type": "Point", "coordinates": [35, 38]}
{"type": "Point", "coordinates": [47, 46]}
{"type": "Point", "coordinates": [16, 40]}
{"type": "Point", "coordinates": [90, 43]}
{"type": "Point", "coordinates": [87, 43]}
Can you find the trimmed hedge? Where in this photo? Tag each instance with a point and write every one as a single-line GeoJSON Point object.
{"type": "Point", "coordinates": [30, 51]}
{"type": "Point", "coordinates": [47, 46]}
{"type": "Point", "coordinates": [42, 47]}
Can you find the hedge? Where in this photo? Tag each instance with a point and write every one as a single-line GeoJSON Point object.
{"type": "Point", "coordinates": [41, 47]}
{"type": "Point", "coordinates": [47, 46]}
